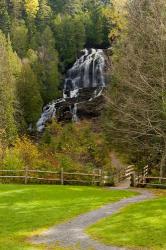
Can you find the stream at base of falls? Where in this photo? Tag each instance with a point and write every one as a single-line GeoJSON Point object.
{"type": "Point", "coordinates": [84, 82]}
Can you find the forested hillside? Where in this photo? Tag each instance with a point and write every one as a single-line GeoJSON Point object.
{"type": "Point", "coordinates": [40, 40]}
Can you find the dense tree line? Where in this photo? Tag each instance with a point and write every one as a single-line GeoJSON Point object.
{"type": "Point", "coordinates": [39, 40]}
{"type": "Point", "coordinates": [136, 113]}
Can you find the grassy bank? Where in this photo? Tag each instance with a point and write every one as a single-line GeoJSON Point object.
{"type": "Point", "coordinates": [25, 210]}
{"type": "Point", "coordinates": [141, 225]}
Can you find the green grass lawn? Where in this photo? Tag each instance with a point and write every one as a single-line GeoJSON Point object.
{"type": "Point", "coordinates": [25, 210]}
{"type": "Point", "coordinates": [141, 225]}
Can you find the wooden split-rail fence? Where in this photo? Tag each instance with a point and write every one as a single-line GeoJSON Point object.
{"type": "Point", "coordinates": [143, 178]}
{"type": "Point", "coordinates": [137, 178]}
{"type": "Point", "coordinates": [96, 177]}
{"type": "Point", "coordinates": [124, 173]}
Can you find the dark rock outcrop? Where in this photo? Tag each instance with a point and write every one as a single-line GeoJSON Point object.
{"type": "Point", "coordinates": [86, 106]}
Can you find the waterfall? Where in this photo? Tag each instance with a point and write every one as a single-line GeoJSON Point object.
{"type": "Point", "coordinates": [49, 112]}
{"type": "Point", "coordinates": [88, 72]}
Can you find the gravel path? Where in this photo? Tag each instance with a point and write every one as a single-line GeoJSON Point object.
{"type": "Point", "coordinates": [71, 234]}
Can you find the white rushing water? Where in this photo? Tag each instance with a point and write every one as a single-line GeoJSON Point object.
{"type": "Point", "coordinates": [74, 111]}
{"type": "Point", "coordinates": [87, 72]}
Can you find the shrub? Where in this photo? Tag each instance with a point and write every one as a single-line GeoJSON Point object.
{"type": "Point", "coordinates": [23, 154]}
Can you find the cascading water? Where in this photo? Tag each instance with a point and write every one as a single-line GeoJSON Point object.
{"type": "Point", "coordinates": [74, 111]}
{"type": "Point", "coordinates": [84, 82]}
{"type": "Point", "coordinates": [87, 72]}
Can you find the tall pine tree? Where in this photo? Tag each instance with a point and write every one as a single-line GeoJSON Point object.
{"type": "Point", "coordinates": [8, 129]}
{"type": "Point", "coordinates": [29, 94]}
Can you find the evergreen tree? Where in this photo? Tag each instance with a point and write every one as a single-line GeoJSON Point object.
{"type": "Point", "coordinates": [69, 37]}
{"type": "Point", "coordinates": [4, 17]}
{"type": "Point", "coordinates": [31, 9]}
{"type": "Point", "coordinates": [44, 14]}
{"type": "Point", "coordinates": [94, 24]}
{"type": "Point", "coordinates": [73, 7]}
{"type": "Point", "coordinates": [16, 8]}
{"type": "Point", "coordinates": [79, 33]}
{"type": "Point", "coordinates": [29, 94]}
{"type": "Point", "coordinates": [8, 130]}
{"type": "Point", "coordinates": [57, 5]}
{"type": "Point", "coordinates": [48, 66]}
{"type": "Point", "coordinates": [19, 36]}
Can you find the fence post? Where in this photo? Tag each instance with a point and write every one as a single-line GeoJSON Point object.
{"type": "Point", "coordinates": [93, 173]}
{"type": "Point", "coordinates": [62, 176]}
{"type": "Point", "coordinates": [146, 170]}
{"type": "Point", "coordinates": [26, 175]}
{"type": "Point", "coordinates": [101, 177]}
{"type": "Point", "coordinates": [132, 180]}
{"type": "Point", "coordinates": [145, 174]}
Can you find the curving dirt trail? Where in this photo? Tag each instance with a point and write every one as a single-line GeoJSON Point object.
{"type": "Point", "coordinates": [71, 234]}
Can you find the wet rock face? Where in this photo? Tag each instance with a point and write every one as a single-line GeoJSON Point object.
{"type": "Point", "coordinates": [83, 90]}
{"type": "Point", "coordinates": [87, 105]}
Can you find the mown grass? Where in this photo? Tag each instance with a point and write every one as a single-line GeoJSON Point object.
{"type": "Point", "coordinates": [141, 226]}
{"type": "Point", "coordinates": [25, 210]}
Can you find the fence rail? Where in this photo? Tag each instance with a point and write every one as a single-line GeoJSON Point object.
{"type": "Point", "coordinates": [97, 177]}
{"type": "Point", "coordinates": [143, 179]}
{"type": "Point", "coordinates": [153, 181]}
{"type": "Point", "coordinates": [129, 170]}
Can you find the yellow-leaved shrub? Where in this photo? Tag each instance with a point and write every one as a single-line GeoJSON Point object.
{"type": "Point", "coordinates": [23, 154]}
